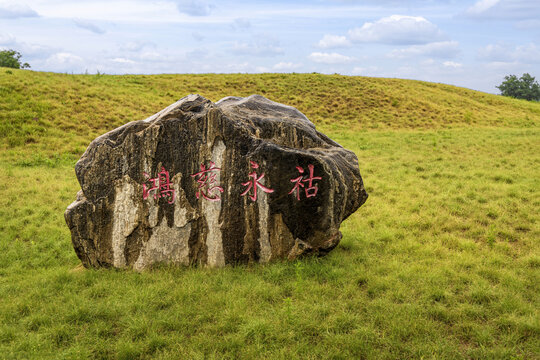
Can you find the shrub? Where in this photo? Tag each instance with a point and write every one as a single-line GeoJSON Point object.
{"type": "Point", "coordinates": [11, 59]}
{"type": "Point", "coordinates": [523, 88]}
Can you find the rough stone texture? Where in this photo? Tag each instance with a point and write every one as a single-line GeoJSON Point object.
{"type": "Point", "coordinates": [113, 225]}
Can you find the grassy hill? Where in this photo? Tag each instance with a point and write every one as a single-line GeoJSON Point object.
{"type": "Point", "coordinates": [62, 113]}
{"type": "Point", "coordinates": [443, 261]}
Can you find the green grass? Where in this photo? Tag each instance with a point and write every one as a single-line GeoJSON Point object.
{"type": "Point", "coordinates": [443, 261]}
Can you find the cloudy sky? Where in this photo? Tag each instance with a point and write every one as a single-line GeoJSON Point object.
{"type": "Point", "coordinates": [465, 43]}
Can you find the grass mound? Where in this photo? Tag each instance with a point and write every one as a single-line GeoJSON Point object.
{"type": "Point", "coordinates": [60, 113]}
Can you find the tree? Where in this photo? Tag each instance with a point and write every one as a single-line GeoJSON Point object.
{"type": "Point", "coordinates": [11, 59]}
{"type": "Point", "coordinates": [523, 88]}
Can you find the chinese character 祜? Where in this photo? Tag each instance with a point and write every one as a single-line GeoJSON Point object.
{"type": "Point", "coordinates": [310, 190]}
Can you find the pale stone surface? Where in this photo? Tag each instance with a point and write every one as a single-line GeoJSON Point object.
{"type": "Point", "coordinates": [113, 224]}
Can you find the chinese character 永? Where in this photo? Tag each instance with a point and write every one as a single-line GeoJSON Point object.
{"type": "Point", "coordinates": [254, 183]}
{"type": "Point", "coordinates": [161, 186]}
{"type": "Point", "coordinates": [310, 190]}
{"type": "Point", "coordinates": [206, 178]}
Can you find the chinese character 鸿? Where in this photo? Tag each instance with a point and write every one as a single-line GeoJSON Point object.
{"type": "Point", "coordinates": [160, 183]}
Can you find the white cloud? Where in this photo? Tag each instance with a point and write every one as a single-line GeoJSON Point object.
{"type": "Point", "coordinates": [330, 58]}
{"type": "Point", "coordinates": [16, 10]}
{"type": "Point", "coordinates": [199, 54]}
{"type": "Point", "coordinates": [441, 49]}
{"type": "Point", "coordinates": [501, 52]}
{"type": "Point", "coordinates": [152, 56]}
{"type": "Point", "coordinates": [197, 36]}
{"type": "Point", "coordinates": [528, 54]}
{"type": "Point", "coordinates": [136, 46]}
{"type": "Point", "coordinates": [87, 25]}
{"type": "Point", "coordinates": [503, 68]}
{"type": "Point", "coordinates": [333, 41]}
{"type": "Point", "coordinates": [65, 57]}
{"type": "Point", "coordinates": [32, 51]}
{"type": "Point", "coordinates": [528, 24]}
{"type": "Point", "coordinates": [122, 61]}
{"type": "Point", "coordinates": [481, 7]}
{"type": "Point", "coordinates": [245, 67]}
{"type": "Point", "coordinates": [261, 46]}
{"type": "Point", "coordinates": [428, 62]}
{"type": "Point", "coordinates": [241, 24]}
{"type": "Point", "coordinates": [495, 52]}
{"type": "Point", "coordinates": [358, 70]}
{"type": "Point", "coordinates": [114, 11]}
{"type": "Point", "coordinates": [194, 7]}
{"type": "Point", "coordinates": [286, 66]}
{"type": "Point", "coordinates": [28, 51]}
{"type": "Point", "coordinates": [505, 9]}
{"type": "Point", "coordinates": [452, 64]}
{"type": "Point", "coordinates": [7, 39]}
{"type": "Point", "coordinates": [64, 62]}
{"type": "Point", "coordinates": [397, 29]}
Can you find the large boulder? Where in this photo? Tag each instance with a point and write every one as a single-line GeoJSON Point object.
{"type": "Point", "coordinates": [242, 180]}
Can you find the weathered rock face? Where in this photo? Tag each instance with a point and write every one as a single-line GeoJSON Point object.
{"type": "Point", "coordinates": [241, 180]}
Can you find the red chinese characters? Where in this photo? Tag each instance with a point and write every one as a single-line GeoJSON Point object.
{"type": "Point", "coordinates": [161, 186]}
{"type": "Point", "coordinates": [310, 190]}
{"type": "Point", "coordinates": [206, 178]}
{"type": "Point", "coordinates": [254, 183]}
{"type": "Point", "coordinates": [208, 184]}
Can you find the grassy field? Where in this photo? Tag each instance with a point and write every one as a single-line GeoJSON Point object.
{"type": "Point", "coordinates": [443, 261]}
